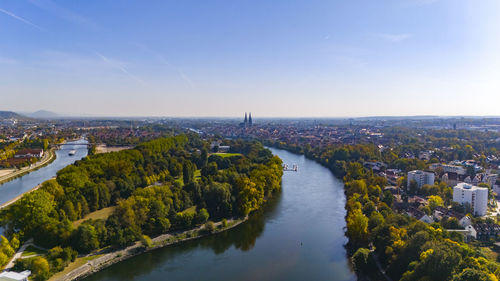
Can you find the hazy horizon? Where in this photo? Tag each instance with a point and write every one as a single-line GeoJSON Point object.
{"type": "Point", "coordinates": [241, 116]}
{"type": "Point", "coordinates": [277, 59]}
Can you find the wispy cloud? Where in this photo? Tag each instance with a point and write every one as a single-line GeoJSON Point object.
{"type": "Point", "coordinates": [186, 78]}
{"type": "Point", "coordinates": [164, 61]}
{"type": "Point", "coordinates": [120, 67]}
{"type": "Point", "coordinates": [21, 19]}
{"type": "Point", "coordinates": [393, 37]}
{"type": "Point", "coordinates": [64, 13]}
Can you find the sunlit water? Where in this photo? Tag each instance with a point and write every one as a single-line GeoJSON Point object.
{"type": "Point", "coordinates": [16, 187]}
{"type": "Point", "coordinates": [298, 236]}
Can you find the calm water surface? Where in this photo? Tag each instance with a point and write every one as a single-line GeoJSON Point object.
{"type": "Point", "coordinates": [298, 236]}
{"type": "Point", "coordinates": [14, 188]}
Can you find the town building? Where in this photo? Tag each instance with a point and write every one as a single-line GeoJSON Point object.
{"type": "Point", "coordinates": [441, 213]}
{"type": "Point", "coordinates": [14, 276]}
{"type": "Point", "coordinates": [419, 215]}
{"type": "Point", "coordinates": [29, 153]}
{"type": "Point", "coordinates": [486, 231]}
{"type": "Point", "coordinates": [448, 168]}
{"type": "Point", "coordinates": [420, 177]}
{"type": "Point", "coordinates": [425, 155]}
{"type": "Point", "coordinates": [476, 197]}
{"type": "Point", "coordinates": [224, 148]}
{"type": "Point", "coordinates": [469, 232]}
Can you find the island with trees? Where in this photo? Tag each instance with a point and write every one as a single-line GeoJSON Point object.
{"type": "Point", "coordinates": [106, 202]}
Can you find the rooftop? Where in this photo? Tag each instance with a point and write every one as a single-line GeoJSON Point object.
{"type": "Point", "coordinates": [463, 185]}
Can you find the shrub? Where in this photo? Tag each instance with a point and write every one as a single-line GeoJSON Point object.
{"type": "Point", "coordinates": [210, 227]}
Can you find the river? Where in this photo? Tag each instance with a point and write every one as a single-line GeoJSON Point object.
{"type": "Point", "coordinates": [298, 236]}
{"type": "Point", "coordinates": [18, 186]}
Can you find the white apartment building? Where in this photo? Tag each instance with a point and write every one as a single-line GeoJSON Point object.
{"type": "Point", "coordinates": [421, 178]}
{"type": "Point", "coordinates": [477, 197]}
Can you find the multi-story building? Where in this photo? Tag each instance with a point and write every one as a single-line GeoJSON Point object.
{"type": "Point", "coordinates": [448, 168]}
{"type": "Point", "coordinates": [476, 197]}
{"type": "Point", "coordinates": [421, 178]}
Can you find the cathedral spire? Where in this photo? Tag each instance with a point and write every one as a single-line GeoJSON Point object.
{"type": "Point", "coordinates": [246, 119]}
{"type": "Point", "coordinates": [250, 119]}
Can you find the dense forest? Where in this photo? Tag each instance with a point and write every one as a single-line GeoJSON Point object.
{"type": "Point", "coordinates": [405, 247]}
{"type": "Point", "coordinates": [163, 185]}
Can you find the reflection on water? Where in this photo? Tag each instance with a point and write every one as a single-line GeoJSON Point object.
{"type": "Point", "coordinates": [242, 237]}
{"type": "Point", "coordinates": [297, 236]}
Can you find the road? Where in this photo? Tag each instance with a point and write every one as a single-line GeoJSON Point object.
{"type": "Point", "coordinates": [47, 157]}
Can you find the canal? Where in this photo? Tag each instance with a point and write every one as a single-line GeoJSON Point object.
{"type": "Point", "coordinates": [299, 235]}
{"type": "Point", "coordinates": [18, 186]}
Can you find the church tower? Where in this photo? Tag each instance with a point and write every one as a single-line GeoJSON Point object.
{"type": "Point", "coordinates": [246, 120]}
{"type": "Point", "coordinates": [250, 119]}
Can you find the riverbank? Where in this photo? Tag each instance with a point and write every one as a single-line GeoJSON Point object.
{"type": "Point", "coordinates": [87, 265]}
{"type": "Point", "coordinates": [12, 201]}
{"type": "Point", "coordinates": [48, 158]}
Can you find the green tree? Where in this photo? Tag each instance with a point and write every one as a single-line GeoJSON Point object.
{"type": "Point", "coordinates": [471, 274]}
{"type": "Point", "coordinates": [69, 209]}
{"type": "Point", "coordinates": [357, 227]}
{"type": "Point", "coordinates": [85, 239]}
{"type": "Point", "coordinates": [361, 260]}
{"type": "Point", "coordinates": [434, 201]}
{"type": "Point", "coordinates": [413, 187]}
{"type": "Point", "coordinates": [202, 216]}
{"type": "Point", "coordinates": [188, 172]}
{"type": "Point", "coordinates": [388, 198]}
{"type": "Point", "coordinates": [40, 268]}
{"type": "Point", "coordinates": [209, 227]}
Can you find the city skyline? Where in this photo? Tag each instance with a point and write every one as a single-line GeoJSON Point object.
{"type": "Point", "coordinates": [280, 59]}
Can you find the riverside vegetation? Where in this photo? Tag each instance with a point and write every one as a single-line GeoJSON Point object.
{"type": "Point", "coordinates": [405, 247]}
{"type": "Point", "coordinates": [164, 185]}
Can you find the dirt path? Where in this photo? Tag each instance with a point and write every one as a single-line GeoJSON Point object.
{"type": "Point", "coordinates": [18, 254]}
{"type": "Point", "coordinates": [101, 262]}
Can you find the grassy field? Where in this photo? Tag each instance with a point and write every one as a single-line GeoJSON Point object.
{"type": "Point", "coordinates": [224, 155]}
{"type": "Point", "coordinates": [101, 214]}
{"type": "Point", "coordinates": [191, 210]}
{"type": "Point", "coordinates": [31, 250]}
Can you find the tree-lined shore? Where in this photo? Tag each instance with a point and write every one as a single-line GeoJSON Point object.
{"type": "Point", "coordinates": [164, 185]}
{"type": "Point", "coordinates": [384, 244]}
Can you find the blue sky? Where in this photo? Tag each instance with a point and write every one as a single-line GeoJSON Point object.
{"type": "Point", "coordinates": [271, 57]}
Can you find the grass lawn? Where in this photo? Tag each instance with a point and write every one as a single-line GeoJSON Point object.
{"type": "Point", "coordinates": [31, 250]}
{"type": "Point", "coordinates": [101, 214]}
{"type": "Point", "coordinates": [224, 155]}
{"type": "Point", "coordinates": [72, 266]}
{"type": "Point", "coordinates": [191, 210]}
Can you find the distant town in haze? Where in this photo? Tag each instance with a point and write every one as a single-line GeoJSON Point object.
{"type": "Point", "coordinates": [250, 140]}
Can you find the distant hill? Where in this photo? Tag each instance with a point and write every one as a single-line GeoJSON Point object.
{"type": "Point", "coordinates": [43, 114]}
{"type": "Point", "coordinates": [10, 114]}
